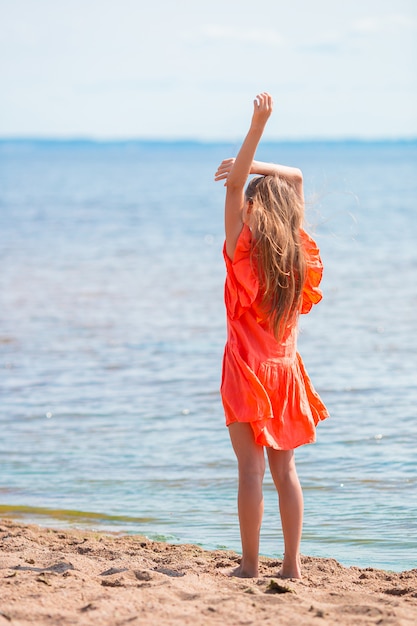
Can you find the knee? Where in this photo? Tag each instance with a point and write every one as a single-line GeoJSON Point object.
{"type": "Point", "coordinates": [283, 468]}
{"type": "Point", "coordinates": [251, 473]}
{"type": "Point", "coordinates": [283, 475]}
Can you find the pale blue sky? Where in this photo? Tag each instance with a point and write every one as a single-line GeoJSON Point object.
{"type": "Point", "coordinates": [190, 68]}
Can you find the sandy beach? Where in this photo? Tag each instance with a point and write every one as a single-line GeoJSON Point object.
{"type": "Point", "coordinates": [61, 577]}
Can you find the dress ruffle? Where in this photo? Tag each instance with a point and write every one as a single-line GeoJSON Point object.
{"type": "Point", "coordinates": [242, 284]}
{"type": "Point", "coordinates": [278, 400]}
{"type": "Point", "coordinates": [297, 409]}
{"type": "Point", "coordinates": [314, 272]}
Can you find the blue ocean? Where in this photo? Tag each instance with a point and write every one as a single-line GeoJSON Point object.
{"type": "Point", "coordinates": [112, 328]}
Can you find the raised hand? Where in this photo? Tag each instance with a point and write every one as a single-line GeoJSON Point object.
{"type": "Point", "coordinates": [262, 109]}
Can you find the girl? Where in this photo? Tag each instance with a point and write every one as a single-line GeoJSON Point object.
{"type": "Point", "coordinates": [273, 272]}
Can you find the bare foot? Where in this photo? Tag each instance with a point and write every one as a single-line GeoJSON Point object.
{"type": "Point", "coordinates": [290, 569]}
{"type": "Point", "coordinates": [240, 572]}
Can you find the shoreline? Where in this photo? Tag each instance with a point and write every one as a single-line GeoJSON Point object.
{"type": "Point", "coordinates": [55, 576]}
{"type": "Point", "coordinates": [95, 522]}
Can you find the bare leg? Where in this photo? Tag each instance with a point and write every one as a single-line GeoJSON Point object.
{"type": "Point", "coordinates": [290, 495]}
{"type": "Point", "coordinates": [251, 464]}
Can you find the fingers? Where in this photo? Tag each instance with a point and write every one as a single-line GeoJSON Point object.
{"type": "Point", "coordinates": [224, 169]}
{"type": "Point", "coordinates": [264, 102]}
{"type": "Point", "coordinates": [227, 163]}
{"type": "Point", "coordinates": [264, 98]}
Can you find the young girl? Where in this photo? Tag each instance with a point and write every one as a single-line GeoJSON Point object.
{"type": "Point", "coordinates": [273, 272]}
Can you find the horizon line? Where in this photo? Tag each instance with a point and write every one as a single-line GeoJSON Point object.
{"type": "Point", "coordinates": [198, 141]}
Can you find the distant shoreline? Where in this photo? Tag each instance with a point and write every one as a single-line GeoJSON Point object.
{"type": "Point", "coordinates": [197, 143]}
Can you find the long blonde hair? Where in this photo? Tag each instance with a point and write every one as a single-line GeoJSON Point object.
{"type": "Point", "coordinates": [275, 218]}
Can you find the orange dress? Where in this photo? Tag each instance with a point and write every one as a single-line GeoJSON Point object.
{"type": "Point", "coordinates": [264, 382]}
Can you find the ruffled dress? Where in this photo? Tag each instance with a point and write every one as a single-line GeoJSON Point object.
{"type": "Point", "coordinates": [264, 382]}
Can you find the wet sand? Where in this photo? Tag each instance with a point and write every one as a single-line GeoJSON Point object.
{"type": "Point", "coordinates": [60, 577]}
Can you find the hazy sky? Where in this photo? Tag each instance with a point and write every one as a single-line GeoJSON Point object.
{"type": "Point", "coordinates": [190, 68]}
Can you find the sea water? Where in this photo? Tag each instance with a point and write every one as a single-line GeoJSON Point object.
{"type": "Point", "coordinates": [112, 328]}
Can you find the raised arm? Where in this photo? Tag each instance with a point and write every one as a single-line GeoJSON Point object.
{"type": "Point", "coordinates": [239, 170]}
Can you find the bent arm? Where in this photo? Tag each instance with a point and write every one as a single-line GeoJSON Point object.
{"type": "Point", "coordinates": [292, 175]}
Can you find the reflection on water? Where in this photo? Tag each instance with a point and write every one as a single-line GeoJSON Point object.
{"type": "Point", "coordinates": [112, 332]}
